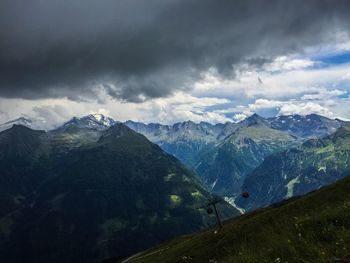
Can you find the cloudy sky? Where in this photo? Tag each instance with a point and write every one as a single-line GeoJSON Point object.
{"type": "Point", "coordinates": [172, 60]}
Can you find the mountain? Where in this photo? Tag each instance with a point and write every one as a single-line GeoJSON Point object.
{"type": "Point", "coordinates": [105, 197]}
{"type": "Point", "coordinates": [96, 188]}
{"type": "Point", "coordinates": [153, 131]}
{"type": "Point", "coordinates": [223, 154]}
{"type": "Point", "coordinates": [225, 166]}
{"type": "Point", "coordinates": [91, 121]}
{"type": "Point", "coordinates": [255, 120]}
{"type": "Point", "coordinates": [19, 176]}
{"type": "Point", "coordinates": [296, 171]}
{"type": "Point", "coordinates": [309, 126]}
{"type": "Point", "coordinates": [20, 121]}
{"type": "Point", "coordinates": [313, 228]}
{"type": "Point", "coordinates": [188, 141]}
{"type": "Point", "coordinates": [185, 140]}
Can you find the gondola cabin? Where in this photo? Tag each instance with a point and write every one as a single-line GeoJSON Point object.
{"type": "Point", "coordinates": [210, 210]}
{"type": "Point", "coordinates": [245, 194]}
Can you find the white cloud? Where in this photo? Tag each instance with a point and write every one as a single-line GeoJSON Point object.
{"type": "Point", "coordinates": [324, 103]}
{"type": "Point", "coordinates": [239, 116]}
{"type": "Point", "coordinates": [346, 76]}
{"type": "Point", "coordinates": [323, 94]}
{"type": "Point", "coordinates": [275, 85]}
{"type": "Point", "coordinates": [102, 111]}
{"type": "Point", "coordinates": [289, 84]}
{"type": "Point", "coordinates": [340, 44]}
{"type": "Point", "coordinates": [285, 63]}
{"type": "Point", "coordinates": [179, 107]}
{"type": "Point", "coordinates": [264, 103]}
{"type": "Point", "coordinates": [304, 109]}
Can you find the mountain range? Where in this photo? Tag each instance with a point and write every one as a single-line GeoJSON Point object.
{"type": "Point", "coordinates": [97, 188]}
{"type": "Point", "coordinates": [80, 194]}
{"type": "Point", "coordinates": [299, 170]}
{"type": "Point", "coordinates": [225, 166]}
{"type": "Point", "coordinates": [222, 154]}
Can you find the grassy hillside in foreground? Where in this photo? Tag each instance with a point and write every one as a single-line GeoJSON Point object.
{"type": "Point", "coordinates": [313, 228]}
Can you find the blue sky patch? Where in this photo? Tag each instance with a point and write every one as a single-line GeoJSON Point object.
{"type": "Point", "coordinates": [336, 59]}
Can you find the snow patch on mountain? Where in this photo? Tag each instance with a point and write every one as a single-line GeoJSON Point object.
{"type": "Point", "coordinates": [20, 121]}
{"type": "Point", "coordinates": [91, 121]}
{"type": "Point", "coordinates": [231, 201]}
{"type": "Point", "coordinates": [290, 186]}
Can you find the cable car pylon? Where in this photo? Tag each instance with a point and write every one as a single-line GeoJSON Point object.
{"type": "Point", "coordinates": [213, 202]}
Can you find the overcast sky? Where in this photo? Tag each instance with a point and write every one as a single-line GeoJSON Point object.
{"type": "Point", "coordinates": [173, 60]}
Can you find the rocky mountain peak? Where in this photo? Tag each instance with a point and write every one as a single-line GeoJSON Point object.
{"type": "Point", "coordinates": [254, 119]}
{"type": "Point", "coordinates": [91, 121]}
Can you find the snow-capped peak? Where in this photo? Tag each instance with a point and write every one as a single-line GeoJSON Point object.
{"type": "Point", "coordinates": [97, 116]}
{"type": "Point", "coordinates": [102, 119]}
{"type": "Point", "coordinates": [91, 121]}
{"type": "Point", "coordinates": [19, 121]}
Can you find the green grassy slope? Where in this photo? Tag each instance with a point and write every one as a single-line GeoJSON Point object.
{"type": "Point", "coordinates": [313, 228]}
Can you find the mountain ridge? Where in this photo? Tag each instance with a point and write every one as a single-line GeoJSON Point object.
{"type": "Point", "coordinates": [225, 166]}
{"type": "Point", "coordinates": [94, 200]}
{"type": "Point", "coordinates": [298, 170]}
{"type": "Point", "coordinates": [108, 121]}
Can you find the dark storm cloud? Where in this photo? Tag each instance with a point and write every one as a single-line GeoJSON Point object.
{"type": "Point", "coordinates": [135, 50]}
